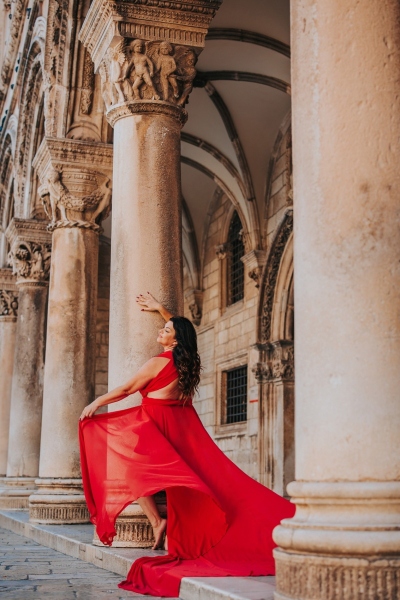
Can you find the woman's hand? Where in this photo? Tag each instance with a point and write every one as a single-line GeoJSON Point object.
{"type": "Point", "coordinates": [148, 302]}
{"type": "Point", "coordinates": [89, 410]}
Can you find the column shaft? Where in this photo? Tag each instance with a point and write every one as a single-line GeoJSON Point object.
{"type": "Point", "coordinates": [27, 385]}
{"type": "Point", "coordinates": [344, 541]}
{"type": "Point", "coordinates": [146, 240]}
{"type": "Point", "coordinates": [8, 326]}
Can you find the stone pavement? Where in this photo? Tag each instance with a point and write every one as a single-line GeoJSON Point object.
{"type": "Point", "coordinates": [29, 571]}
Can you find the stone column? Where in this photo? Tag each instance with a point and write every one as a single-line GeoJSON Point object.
{"type": "Point", "coordinates": [76, 197]}
{"type": "Point", "coordinates": [8, 324]}
{"type": "Point", "coordinates": [344, 541]}
{"type": "Point", "coordinates": [30, 257]}
{"type": "Point", "coordinates": [133, 46]}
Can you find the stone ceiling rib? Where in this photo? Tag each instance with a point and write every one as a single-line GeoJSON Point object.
{"type": "Point", "coordinates": [249, 37]}
{"type": "Point", "coordinates": [205, 76]}
{"type": "Point", "coordinates": [207, 147]}
{"type": "Point", "coordinates": [233, 136]}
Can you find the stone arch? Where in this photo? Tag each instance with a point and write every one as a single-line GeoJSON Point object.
{"type": "Point", "coordinates": [6, 193]}
{"type": "Point", "coordinates": [31, 107]}
{"type": "Point", "coordinates": [275, 369]}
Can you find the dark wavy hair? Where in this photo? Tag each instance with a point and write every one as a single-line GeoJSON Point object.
{"type": "Point", "coordinates": [186, 356]}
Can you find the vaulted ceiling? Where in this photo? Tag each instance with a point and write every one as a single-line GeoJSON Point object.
{"type": "Point", "coordinates": [241, 98]}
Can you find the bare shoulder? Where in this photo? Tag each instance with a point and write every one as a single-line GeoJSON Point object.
{"type": "Point", "coordinates": [154, 365]}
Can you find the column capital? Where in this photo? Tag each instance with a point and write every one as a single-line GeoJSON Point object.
{"type": "Point", "coordinates": [146, 50]}
{"type": "Point", "coordinates": [73, 194]}
{"type": "Point", "coordinates": [30, 251]}
{"type": "Point", "coordinates": [8, 295]}
{"type": "Point", "coordinates": [277, 362]}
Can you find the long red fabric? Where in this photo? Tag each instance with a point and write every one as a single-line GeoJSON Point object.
{"type": "Point", "coordinates": [220, 521]}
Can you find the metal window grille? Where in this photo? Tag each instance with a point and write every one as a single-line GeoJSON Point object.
{"type": "Point", "coordinates": [236, 267]}
{"type": "Point", "coordinates": [236, 395]}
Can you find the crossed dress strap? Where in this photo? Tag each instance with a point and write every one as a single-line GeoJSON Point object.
{"type": "Point", "coordinates": [167, 375]}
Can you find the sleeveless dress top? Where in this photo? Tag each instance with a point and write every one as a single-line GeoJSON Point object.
{"type": "Point", "coordinates": [219, 520]}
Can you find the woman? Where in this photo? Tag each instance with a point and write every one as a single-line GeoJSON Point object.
{"type": "Point", "coordinates": [220, 521]}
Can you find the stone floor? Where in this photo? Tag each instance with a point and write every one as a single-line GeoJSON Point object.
{"type": "Point", "coordinates": [84, 571]}
{"type": "Point", "coordinates": [30, 571]}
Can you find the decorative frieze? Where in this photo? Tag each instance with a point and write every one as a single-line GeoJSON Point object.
{"type": "Point", "coordinates": [30, 252]}
{"type": "Point", "coordinates": [301, 577]}
{"type": "Point", "coordinates": [73, 193]}
{"type": "Point", "coordinates": [183, 23]}
{"type": "Point", "coordinates": [53, 513]}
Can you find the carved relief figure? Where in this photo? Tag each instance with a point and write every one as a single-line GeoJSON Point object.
{"type": "Point", "coordinates": [60, 200]}
{"type": "Point", "coordinates": [30, 261]}
{"type": "Point", "coordinates": [117, 59]}
{"type": "Point", "coordinates": [140, 70]}
{"type": "Point", "coordinates": [8, 303]}
{"type": "Point", "coordinates": [186, 74]}
{"type": "Point", "coordinates": [166, 67]}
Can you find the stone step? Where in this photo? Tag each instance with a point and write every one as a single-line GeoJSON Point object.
{"type": "Point", "coordinates": [76, 541]}
{"type": "Point", "coordinates": [222, 588]}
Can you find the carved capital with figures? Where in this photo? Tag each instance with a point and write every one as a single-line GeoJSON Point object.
{"type": "Point", "coordinates": [73, 193]}
{"type": "Point", "coordinates": [30, 251]}
{"type": "Point", "coordinates": [146, 51]}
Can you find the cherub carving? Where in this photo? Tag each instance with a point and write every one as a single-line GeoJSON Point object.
{"type": "Point", "coordinates": [140, 70]}
{"type": "Point", "coordinates": [166, 66]}
{"type": "Point", "coordinates": [117, 58]}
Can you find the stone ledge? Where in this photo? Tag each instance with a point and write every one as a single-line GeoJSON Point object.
{"type": "Point", "coordinates": [76, 541]}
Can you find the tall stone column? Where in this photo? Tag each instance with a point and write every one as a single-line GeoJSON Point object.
{"type": "Point", "coordinates": [76, 191]}
{"type": "Point", "coordinates": [146, 58]}
{"type": "Point", "coordinates": [30, 257]}
{"type": "Point", "coordinates": [344, 541]}
{"type": "Point", "coordinates": [8, 325]}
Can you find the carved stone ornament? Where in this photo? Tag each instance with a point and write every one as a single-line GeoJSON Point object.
{"type": "Point", "coordinates": [73, 194]}
{"type": "Point", "coordinates": [30, 251]}
{"type": "Point", "coordinates": [87, 85]}
{"type": "Point", "coordinates": [255, 261]}
{"type": "Point", "coordinates": [137, 70]}
{"type": "Point", "coordinates": [272, 269]}
{"type": "Point", "coordinates": [30, 261]}
{"type": "Point", "coordinates": [8, 294]}
{"type": "Point", "coordinates": [184, 23]}
{"type": "Point", "coordinates": [67, 210]}
{"type": "Point", "coordinates": [221, 251]}
{"type": "Point", "coordinates": [262, 372]}
{"type": "Point", "coordinates": [277, 363]}
{"type": "Point", "coordinates": [195, 302]}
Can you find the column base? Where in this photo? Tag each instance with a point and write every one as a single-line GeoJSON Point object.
{"type": "Point", "coordinates": [133, 527]}
{"type": "Point", "coordinates": [316, 577]}
{"type": "Point", "coordinates": [15, 492]}
{"type": "Point", "coordinates": [58, 501]}
{"type": "Point", "coordinates": [343, 542]}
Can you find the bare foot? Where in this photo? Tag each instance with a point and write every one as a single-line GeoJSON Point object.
{"type": "Point", "coordinates": [166, 543]}
{"type": "Point", "coordinates": [159, 534]}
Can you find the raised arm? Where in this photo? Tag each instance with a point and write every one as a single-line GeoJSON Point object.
{"type": "Point", "coordinates": [145, 374]}
{"type": "Point", "coordinates": [149, 303]}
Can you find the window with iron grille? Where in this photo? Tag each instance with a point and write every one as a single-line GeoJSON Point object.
{"type": "Point", "coordinates": [235, 388]}
{"type": "Point", "coordinates": [235, 265]}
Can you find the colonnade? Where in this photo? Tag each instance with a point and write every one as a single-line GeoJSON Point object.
{"type": "Point", "coordinates": [344, 538]}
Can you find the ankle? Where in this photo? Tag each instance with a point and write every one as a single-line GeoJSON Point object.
{"type": "Point", "coordinates": [155, 522]}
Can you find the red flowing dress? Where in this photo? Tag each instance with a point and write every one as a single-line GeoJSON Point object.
{"type": "Point", "coordinates": [220, 521]}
